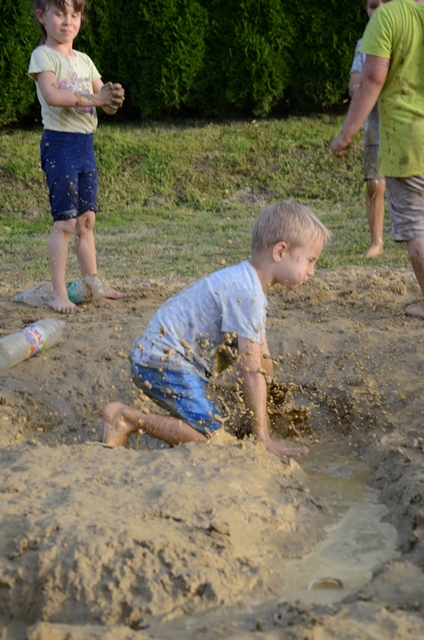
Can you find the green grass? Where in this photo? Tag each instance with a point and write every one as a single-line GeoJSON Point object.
{"type": "Point", "coordinates": [177, 199]}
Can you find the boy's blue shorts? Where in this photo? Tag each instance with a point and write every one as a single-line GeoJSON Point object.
{"type": "Point", "coordinates": [71, 173]}
{"type": "Point", "coordinates": [183, 393]}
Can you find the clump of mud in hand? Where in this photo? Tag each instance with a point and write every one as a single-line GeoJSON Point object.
{"type": "Point", "coordinates": [286, 418]}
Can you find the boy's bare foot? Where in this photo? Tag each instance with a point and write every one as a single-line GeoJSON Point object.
{"type": "Point", "coordinates": [416, 310]}
{"type": "Point", "coordinates": [113, 294]}
{"type": "Point", "coordinates": [62, 304]}
{"type": "Point", "coordinates": [116, 427]}
{"type": "Point", "coordinates": [375, 250]}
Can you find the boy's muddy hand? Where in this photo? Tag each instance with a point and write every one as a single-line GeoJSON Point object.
{"type": "Point", "coordinates": [285, 452]}
{"type": "Point", "coordinates": [340, 146]}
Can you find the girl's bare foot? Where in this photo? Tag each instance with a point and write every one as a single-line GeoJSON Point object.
{"type": "Point", "coordinates": [416, 310]}
{"type": "Point", "coordinates": [98, 288]}
{"type": "Point", "coordinates": [113, 294]}
{"type": "Point", "coordinates": [116, 427]}
{"type": "Point", "coordinates": [62, 304]}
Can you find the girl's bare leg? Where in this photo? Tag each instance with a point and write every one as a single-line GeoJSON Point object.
{"type": "Point", "coordinates": [120, 421]}
{"type": "Point", "coordinates": [58, 255]}
{"type": "Point", "coordinates": [375, 213]}
{"type": "Point", "coordinates": [85, 249]}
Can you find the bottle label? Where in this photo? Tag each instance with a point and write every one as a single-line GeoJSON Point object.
{"type": "Point", "coordinates": [35, 337]}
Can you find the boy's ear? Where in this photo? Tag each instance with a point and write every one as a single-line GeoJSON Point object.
{"type": "Point", "coordinates": [278, 250]}
{"type": "Point", "coordinates": [39, 15]}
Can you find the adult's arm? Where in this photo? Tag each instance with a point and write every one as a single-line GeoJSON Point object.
{"type": "Point", "coordinates": [355, 82]}
{"type": "Point", "coordinates": [362, 103]}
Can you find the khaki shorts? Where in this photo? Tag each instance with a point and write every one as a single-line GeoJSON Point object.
{"type": "Point", "coordinates": [371, 171]}
{"type": "Point", "coordinates": [405, 199]}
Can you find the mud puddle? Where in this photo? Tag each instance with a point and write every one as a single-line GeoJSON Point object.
{"type": "Point", "coordinates": [358, 540]}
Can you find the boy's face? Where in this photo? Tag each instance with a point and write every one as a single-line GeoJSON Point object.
{"type": "Point", "coordinates": [372, 5]}
{"type": "Point", "coordinates": [298, 265]}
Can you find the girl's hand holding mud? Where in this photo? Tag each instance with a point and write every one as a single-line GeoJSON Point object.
{"type": "Point", "coordinates": [112, 97]}
{"type": "Point", "coordinates": [106, 96]}
{"type": "Point", "coordinates": [118, 93]}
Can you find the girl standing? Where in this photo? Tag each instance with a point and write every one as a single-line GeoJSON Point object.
{"type": "Point", "coordinates": [69, 89]}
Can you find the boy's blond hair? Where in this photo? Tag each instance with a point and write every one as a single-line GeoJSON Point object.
{"type": "Point", "coordinates": [294, 224]}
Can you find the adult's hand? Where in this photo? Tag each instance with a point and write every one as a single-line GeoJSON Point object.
{"type": "Point", "coordinates": [340, 145]}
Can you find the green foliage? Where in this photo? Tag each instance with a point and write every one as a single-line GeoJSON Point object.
{"type": "Point", "coordinates": [163, 53]}
{"type": "Point", "coordinates": [247, 56]}
{"type": "Point", "coordinates": [100, 36]}
{"type": "Point", "coordinates": [18, 36]}
{"type": "Point", "coordinates": [208, 57]}
{"type": "Point", "coordinates": [326, 34]}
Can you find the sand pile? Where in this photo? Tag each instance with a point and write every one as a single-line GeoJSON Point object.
{"type": "Point", "coordinates": [192, 541]}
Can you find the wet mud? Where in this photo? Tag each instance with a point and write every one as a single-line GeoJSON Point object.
{"type": "Point", "coordinates": [196, 541]}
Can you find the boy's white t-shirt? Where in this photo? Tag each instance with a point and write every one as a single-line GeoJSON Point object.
{"type": "Point", "coordinates": [73, 73]}
{"type": "Point", "coordinates": [198, 327]}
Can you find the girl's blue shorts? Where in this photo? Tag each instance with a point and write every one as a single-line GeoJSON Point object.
{"type": "Point", "coordinates": [183, 393]}
{"type": "Point", "coordinates": [71, 173]}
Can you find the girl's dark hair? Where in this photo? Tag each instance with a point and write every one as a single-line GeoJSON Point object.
{"type": "Point", "coordinates": [44, 5]}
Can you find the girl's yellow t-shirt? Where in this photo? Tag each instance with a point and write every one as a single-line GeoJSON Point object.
{"type": "Point", "coordinates": [73, 73]}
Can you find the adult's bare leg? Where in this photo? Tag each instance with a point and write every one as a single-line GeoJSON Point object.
{"type": "Point", "coordinates": [416, 255]}
{"type": "Point", "coordinates": [375, 213]}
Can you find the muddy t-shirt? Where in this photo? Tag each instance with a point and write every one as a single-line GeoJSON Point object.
{"type": "Point", "coordinates": [395, 32]}
{"type": "Point", "coordinates": [198, 328]}
{"type": "Point", "coordinates": [73, 73]}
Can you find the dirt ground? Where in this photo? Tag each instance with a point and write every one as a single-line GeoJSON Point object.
{"type": "Point", "coordinates": [192, 542]}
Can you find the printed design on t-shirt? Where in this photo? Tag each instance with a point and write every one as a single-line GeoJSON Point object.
{"type": "Point", "coordinates": [78, 85]}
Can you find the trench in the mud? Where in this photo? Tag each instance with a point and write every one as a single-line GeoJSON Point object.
{"type": "Point", "coordinates": [358, 539]}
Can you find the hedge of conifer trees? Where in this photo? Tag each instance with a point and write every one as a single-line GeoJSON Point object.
{"type": "Point", "coordinates": [203, 57]}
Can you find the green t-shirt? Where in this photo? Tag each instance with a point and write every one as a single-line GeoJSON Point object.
{"type": "Point", "coordinates": [395, 32]}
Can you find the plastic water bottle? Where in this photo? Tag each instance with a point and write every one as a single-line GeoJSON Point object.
{"type": "Point", "coordinates": [29, 341]}
{"type": "Point", "coordinates": [35, 296]}
{"type": "Point", "coordinates": [82, 290]}
{"type": "Point", "coordinates": [78, 291]}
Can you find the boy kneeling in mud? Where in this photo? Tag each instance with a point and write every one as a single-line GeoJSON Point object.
{"type": "Point", "coordinates": [220, 317]}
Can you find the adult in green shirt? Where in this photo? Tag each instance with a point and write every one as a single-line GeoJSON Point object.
{"type": "Point", "coordinates": [393, 75]}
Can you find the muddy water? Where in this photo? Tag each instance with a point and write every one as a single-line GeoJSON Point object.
{"type": "Point", "coordinates": [358, 540]}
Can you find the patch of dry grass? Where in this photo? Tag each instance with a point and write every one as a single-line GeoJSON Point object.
{"type": "Point", "coordinates": [179, 199]}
